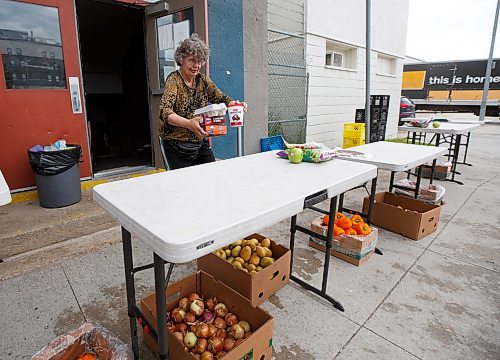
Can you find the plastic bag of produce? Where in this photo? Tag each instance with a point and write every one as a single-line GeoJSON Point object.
{"type": "Point", "coordinates": [310, 145]}
{"type": "Point", "coordinates": [93, 341]}
{"type": "Point", "coordinates": [312, 155]}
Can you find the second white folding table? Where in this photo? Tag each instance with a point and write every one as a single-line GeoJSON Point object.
{"type": "Point", "coordinates": [397, 157]}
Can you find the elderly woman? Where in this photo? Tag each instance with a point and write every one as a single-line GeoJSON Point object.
{"type": "Point", "coordinates": [186, 90]}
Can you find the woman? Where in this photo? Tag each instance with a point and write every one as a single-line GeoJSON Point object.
{"type": "Point", "coordinates": [186, 90]}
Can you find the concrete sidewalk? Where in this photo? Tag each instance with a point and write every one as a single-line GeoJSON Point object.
{"type": "Point", "coordinates": [436, 298]}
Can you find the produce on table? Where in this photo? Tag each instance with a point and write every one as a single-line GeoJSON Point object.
{"type": "Point", "coordinates": [345, 226]}
{"type": "Point", "coordinates": [212, 334]}
{"type": "Point", "coordinates": [250, 255]}
{"type": "Point", "coordinates": [295, 155]}
{"type": "Point", "coordinates": [436, 124]}
{"type": "Point", "coordinates": [310, 155]}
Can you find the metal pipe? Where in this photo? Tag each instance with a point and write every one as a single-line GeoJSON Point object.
{"type": "Point", "coordinates": [482, 112]}
{"type": "Point", "coordinates": [368, 64]}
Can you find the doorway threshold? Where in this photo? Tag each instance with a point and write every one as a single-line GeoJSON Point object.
{"type": "Point", "coordinates": [125, 170]}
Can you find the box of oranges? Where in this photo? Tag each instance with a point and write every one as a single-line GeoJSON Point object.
{"type": "Point", "coordinates": [353, 240]}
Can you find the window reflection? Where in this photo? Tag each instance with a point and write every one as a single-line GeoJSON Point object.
{"type": "Point", "coordinates": [171, 30]}
{"type": "Point", "coordinates": [29, 32]}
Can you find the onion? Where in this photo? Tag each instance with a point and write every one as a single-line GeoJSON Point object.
{"type": "Point", "coordinates": [193, 328]}
{"type": "Point", "coordinates": [222, 333]}
{"type": "Point", "coordinates": [219, 323]}
{"type": "Point", "coordinates": [207, 355]}
{"type": "Point", "coordinates": [197, 307]}
{"type": "Point", "coordinates": [219, 355]}
{"type": "Point", "coordinates": [190, 319]}
{"type": "Point", "coordinates": [181, 327]}
{"type": "Point", "coordinates": [221, 310]}
{"type": "Point", "coordinates": [203, 331]}
{"type": "Point", "coordinates": [212, 330]}
{"type": "Point", "coordinates": [179, 336]}
{"type": "Point", "coordinates": [178, 314]}
{"type": "Point", "coordinates": [207, 316]}
{"type": "Point", "coordinates": [210, 303]}
{"type": "Point", "coordinates": [184, 304]}
{"type": "Point", "coordinates": [231, 319]}
{"type": "Point", "coordinates": [237, 332]}
{"type": "Point", "coordinates": [228, 344]}
{"type": "Point", "coordinates": [190, 340]}
{"type": "Point", "coordinates": [193, 297]}
{"type": "Point", "coordinates": [215, 344]}
{"type": "Point", "coordinates": [172, 327]}
{"type": "Point", "coordinates": [237, 342]}
{"type": "Point", "coordinates": [245, 325]}
{"type": "Point", "coordinates": [201, 346]}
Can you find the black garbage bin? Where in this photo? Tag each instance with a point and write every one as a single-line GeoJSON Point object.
{"type": "Point", "coordinates": [57, 175]}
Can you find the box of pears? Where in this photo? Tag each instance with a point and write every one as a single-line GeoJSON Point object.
{"type": "Point", "coordinates": [256, 267]}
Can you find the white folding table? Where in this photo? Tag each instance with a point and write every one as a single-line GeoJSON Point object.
{"type": "Point", "coordinates": [397, 157]}
{"type": "Point", "coordinates": [454, 131]}
{"type": "Point", "coordinates": [184, 214]}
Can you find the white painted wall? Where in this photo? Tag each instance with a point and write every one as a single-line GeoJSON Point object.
{"type": "Point", "coordinates": [334, 95]}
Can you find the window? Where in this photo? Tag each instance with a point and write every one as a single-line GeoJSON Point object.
{"type": "Point", "coordinates": [33, 44]}
{"type": "Point", "coordinates": [170, 30]}
{"type": "Point", "coordinates": [386, 65]}
{"type": "Point", "coordinates": [339, 55]}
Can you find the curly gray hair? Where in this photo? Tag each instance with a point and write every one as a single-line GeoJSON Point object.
{"type": "Point", "coordinates": [192, 46]}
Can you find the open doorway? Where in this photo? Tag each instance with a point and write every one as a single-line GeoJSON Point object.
{"type": "Point", "coordinates": [115, 84]}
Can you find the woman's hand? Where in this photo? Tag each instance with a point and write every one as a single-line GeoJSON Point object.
{"type": "Point", "coordinates": [237, 102]}
{"type": "Point", "coordinates": [194, 126]}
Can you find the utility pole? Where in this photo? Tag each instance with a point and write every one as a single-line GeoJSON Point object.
{"type": "Point", "coordinates": [368, 64]}
{"type": "Point", "coordinates": [488, 67]}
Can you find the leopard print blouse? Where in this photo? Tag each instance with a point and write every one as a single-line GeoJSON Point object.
{"type": "Point", "coordinates": [181, 99]}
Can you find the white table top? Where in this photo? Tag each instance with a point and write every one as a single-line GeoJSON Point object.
{"type": "Point", "coordinates": [445, 128]}
{"type": "Point", "coordinates": [396, 156]}
{"type": "Point", "coordinates": [187, 213]}
{"type": "Point", "coordinates": [449, 120]}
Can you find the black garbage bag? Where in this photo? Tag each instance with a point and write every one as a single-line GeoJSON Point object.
{"type": "Point", "coordinates": [49, 163]}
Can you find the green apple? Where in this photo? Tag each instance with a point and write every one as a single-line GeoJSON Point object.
{"type": "Point", "coordinates": [295, 155]}
{"type": "Point", "coordinates": [436, 124]}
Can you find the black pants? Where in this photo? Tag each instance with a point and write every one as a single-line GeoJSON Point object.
{"type": "Point", "coordinates": [178, 161]}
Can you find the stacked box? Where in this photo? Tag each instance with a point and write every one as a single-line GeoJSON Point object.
{"type": "Point", "coordinates": [441, 172]}
{"type": "Point", "coordinates": [354, 249]}
{"type": "Point", "coordinates": [214, 126]}
{"type": "Point", "coordinates": [379, 108]}
{"type": "Point", "coordinates": [354, 135]}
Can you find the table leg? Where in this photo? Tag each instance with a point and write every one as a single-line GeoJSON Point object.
{"type": "Point", "coordinates": [466, 150]}
{"type": "Point", "coordinates": [130, 286]}
{"type": "Point", "coordinates": [369, 218]}
{"type": "Point", "coordinates": [161, 306]}
{"type": "Point", "coordinates": [341, 202]}
{"type": "Point", "coordinates": [293, 229]}
{"type": "Point", "coordinates": [433, 169]}
{"type": "Point", "coordinates": [419, 179]}
{"type": "Point", "coordinates": [414, 137]}
{"type": "Point", "coordinates": [329, 236]}
{"type": "Point", "coordinates": [458, 139]}
{"type": "Point", "coordinates": [438, 138]}
{"type": "Point", "coordinates": [391, 182]}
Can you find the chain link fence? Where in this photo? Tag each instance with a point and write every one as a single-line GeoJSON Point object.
{"type": "Point", "coordinates": [288, 82]}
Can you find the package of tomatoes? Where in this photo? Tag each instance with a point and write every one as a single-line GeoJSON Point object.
{"type": "Point", "coordinates": [88, 342]}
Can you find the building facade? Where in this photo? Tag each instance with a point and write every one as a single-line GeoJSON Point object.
{"type": "Point", "coordinates": [335, 57]}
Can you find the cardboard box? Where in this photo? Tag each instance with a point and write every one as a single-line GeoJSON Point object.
{"type": "Point", "coordinates": [412, 218]}
{"type": "Point", "coordinates": [257, 346]}
{"type": "Point", "coordinates": [257, 287]}
{"type": "Point", "coordinates": [440, 172]}
{"type": "Point", "coordinates": [214, 126]}
{"type": "Point", "coordinates": [87, 338]}
{"type": "Point", "coordinates": [354, 249]}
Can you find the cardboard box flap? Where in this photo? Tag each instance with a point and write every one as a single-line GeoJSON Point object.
{"type": "Point", "coordinates": [406, 202]}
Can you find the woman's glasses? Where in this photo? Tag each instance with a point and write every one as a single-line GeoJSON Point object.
{"type": "Point", "coordinates": [193, 61]}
